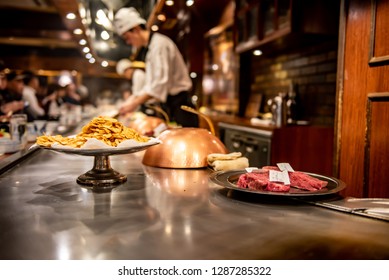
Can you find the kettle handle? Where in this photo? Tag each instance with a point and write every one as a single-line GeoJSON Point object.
{"type": "Point", "coordinates": [194, 111]}
{"type": "Point", "coordinates": [160, 110]}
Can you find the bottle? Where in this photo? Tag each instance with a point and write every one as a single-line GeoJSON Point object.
{"type": "Point", "coordinates": [279, 110]}
{"type": "Point", "coordinates": [291, 105]}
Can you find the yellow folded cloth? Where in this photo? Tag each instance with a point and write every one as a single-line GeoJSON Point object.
{"type": "Point", "coordinates": [224, 162]}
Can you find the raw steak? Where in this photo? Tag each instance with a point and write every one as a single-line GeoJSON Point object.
{"type": "Point", "coordinates": [260, 181]}
{"type": "Point", "coordinates": [304, 181]}
{"type": "Point", "coordinates": [254, 180]}
{"type": "Point", "coordinates": [270, 168]}
{"type": "Point", "coordinates": [277, 187]}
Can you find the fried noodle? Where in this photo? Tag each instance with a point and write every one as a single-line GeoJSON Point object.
{"type": "Point", "coordinates": [108, 130]}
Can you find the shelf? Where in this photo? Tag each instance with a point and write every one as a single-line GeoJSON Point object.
{"type": "Point", "coordinates": [261, 22]}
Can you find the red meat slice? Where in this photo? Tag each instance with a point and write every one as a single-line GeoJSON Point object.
{"type": "Point", "coordinates": [270, 168]}
{"type": "Point", "coordinates": [253, 181]}
{"type": "Point", "coordinates": [277, 187]}
{"type": "Point", "coordinates": [306, 182]}
{"type": "Point", "coordinates": [260, 181]}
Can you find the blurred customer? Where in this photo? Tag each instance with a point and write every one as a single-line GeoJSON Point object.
{"type": "Point", "coordinates": [30, 89]}
{"type": "Point", "coordinates": [3, 76]}
{"type": "Point", "coordinates": [167, 78]}
{"type": "Point", "coordinates": [83, 92]}
{"type": "Point", "coordinates": [54, 100]}
{"type": "Point", "coordinates": [7, 106]}
{"type": "Point", "coordinates": [72, 97]}
{"type": "Point", "coordinates": [12, 96]}
{"type": "Point", "coordinates": [42, 91]}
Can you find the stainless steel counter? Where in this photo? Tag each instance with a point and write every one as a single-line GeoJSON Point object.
{"type": "Point", "coordinates": [166, 214]}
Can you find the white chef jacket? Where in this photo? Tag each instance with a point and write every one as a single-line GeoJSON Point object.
{"type": "Point", "coordinates": [138, 81]}
{"type": "Point", "coordinates": [166, 71]}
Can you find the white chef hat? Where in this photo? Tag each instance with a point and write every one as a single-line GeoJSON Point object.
{"type": "Point", "coordinates": [126, 19]}
{"type": "Point", "coordinates": [125, 63]}
{"type": "Point", "coordinates": [122, 65]}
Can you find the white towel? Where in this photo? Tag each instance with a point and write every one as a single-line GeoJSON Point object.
{"type": "Point", "coordinates": [224, 165]}
{"type": "Point", "coordinates": [213, 157]}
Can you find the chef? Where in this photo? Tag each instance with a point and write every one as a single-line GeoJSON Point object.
{"type": "Point", "coordinates": [135, 72]}
{"type": "Point", "coordinates": [167, 78]}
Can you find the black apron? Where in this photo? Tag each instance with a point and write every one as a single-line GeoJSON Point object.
{"type": "Point", "coordinates": [176, 114]}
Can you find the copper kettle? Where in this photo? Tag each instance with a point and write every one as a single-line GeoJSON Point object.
{"type": "Point", "coordinates": [186, 147]}
{"type": "Point", "coordinates": [146, 125]}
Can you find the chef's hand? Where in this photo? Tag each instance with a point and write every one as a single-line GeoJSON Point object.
{"type": "Point", "coordinates": [132, 103]}
{"type": "Point", "coordinates": [128, 108]}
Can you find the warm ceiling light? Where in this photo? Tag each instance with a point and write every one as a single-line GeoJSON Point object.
{"type": "Point", "coordinates": [189, 3]}
{"type": "Point", "coordinates": [77, 31]}
{"type": "Point", "coordinates": [104, 35]}
{"type": "Point", "coordinates": [169, 2]}
{"type": "Point", "coordinates": [82, 42]}
{"type": "Point", "coordinates": [102, 19]}
{"type": "Point", "coordinates": [82, 12]}
{"type": "Point", "coordinates": [88, 56]}
{"type": "Point", "coordinates": [102, 46]}
{"type": "Point", "coordinates": [86, 50]}
{"type": "Point", "coordinates": [92, 60]}
{"type": "Point", "coordinates": [154, 27]}
{"type": "Point", "coordinates": [161, 17]}
{"type": "Point", "coordinates": [257, 52]}
{"type": "Point", "coordinates": [104, 63]}
{"type": "Point", "coordinates": [71, 16]}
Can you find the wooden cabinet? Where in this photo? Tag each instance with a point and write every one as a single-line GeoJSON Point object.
{"type": "Point", "coordinates": [306, 148]}
{"type": "Point", "coordinates": [282, 22]}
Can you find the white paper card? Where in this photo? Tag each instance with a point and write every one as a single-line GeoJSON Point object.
{"type": "Point", "coordinates": [251, 169]}
{"type": "Point", "coordinates": [279, 176]}
{"type": "Point", "coordinates": [285, 166]}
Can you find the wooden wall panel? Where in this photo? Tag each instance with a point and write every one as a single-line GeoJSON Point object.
{"type": "Point", "coordinates": [362, 134]}
{"type": "Point", "coordinates": [353, 117]}
{"type": "Point", "coordinates": [377, 147]}
{"type": "Point", "coordinates": [306, 148]}
{"type": "Point", "coordinates": [379, 48]}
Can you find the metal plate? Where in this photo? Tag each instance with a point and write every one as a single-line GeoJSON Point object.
{"type": "Point", "coordinates": [102, 177]}
{"type": "Point", "coordinates": [104, 152]}
{"type": "Point", "coordinates": [229, 179]}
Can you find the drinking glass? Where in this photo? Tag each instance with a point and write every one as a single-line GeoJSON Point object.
{"type": "Point", "coordinates": [19, 131]}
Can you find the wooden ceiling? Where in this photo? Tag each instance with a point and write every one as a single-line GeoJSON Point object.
{"type": "Point", "coordinates": [24, 23]}
{"type": "Point", "coordinates": [36, 33]}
